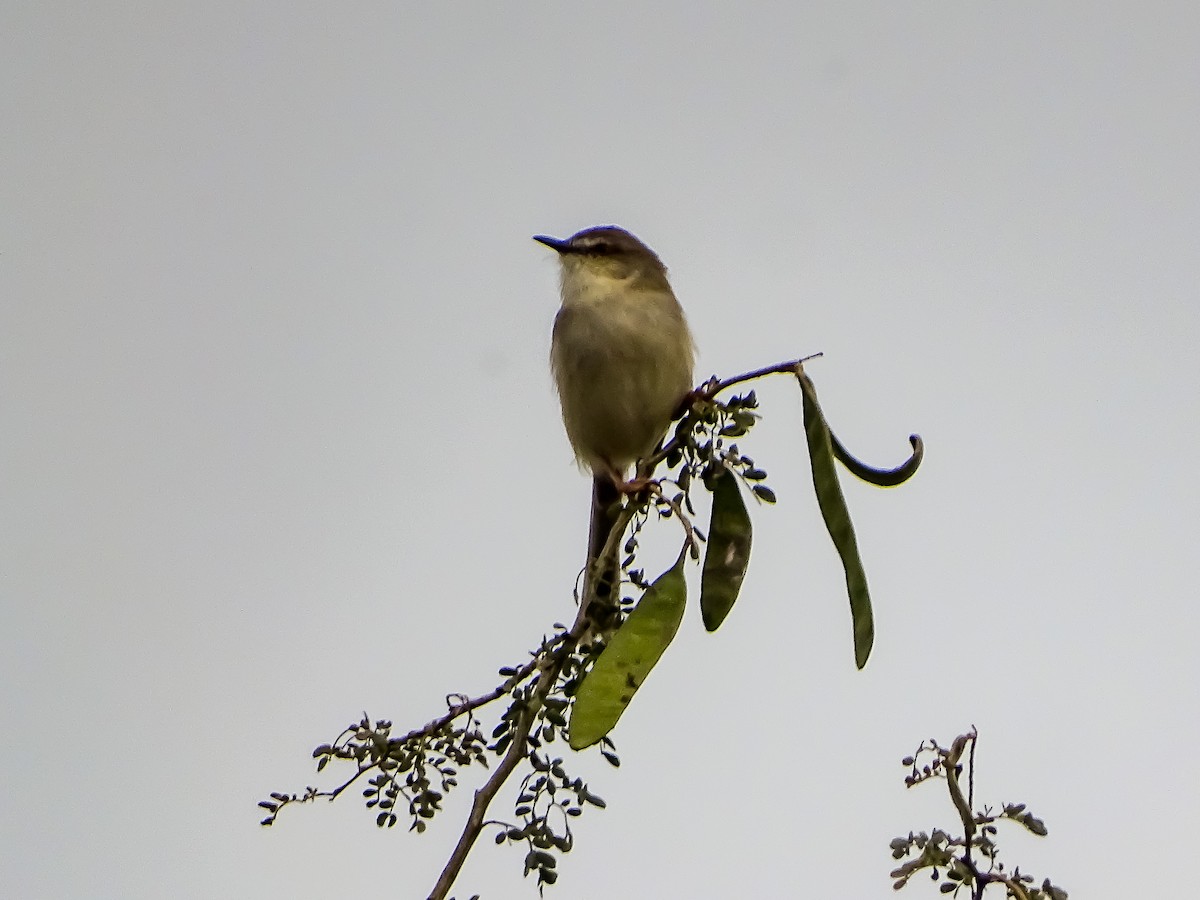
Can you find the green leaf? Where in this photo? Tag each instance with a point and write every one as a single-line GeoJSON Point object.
{"type": "Point", "coordinates": [631, 653]}
{"type": "Point", "coordinates": [837, 519]}
{"type": "Point", "coordinates": [881, 477]}
{"type": "Point", "coordinates": [728, 552]}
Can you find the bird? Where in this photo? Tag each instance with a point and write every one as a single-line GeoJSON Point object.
{"type": "Point", "coordinates": [622, 357]}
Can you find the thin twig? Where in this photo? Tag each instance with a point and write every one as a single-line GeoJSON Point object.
{"type": "Point", "coordinates": [1015, 886]}
{"type": "Point", "coordinates": [495, 693]}
{"type": "Point", "coordinates": [791, 367]}
{"type": "Point", "coordinates": [971, 769]}
{"type": "Point", "coordinates": [688, 529]}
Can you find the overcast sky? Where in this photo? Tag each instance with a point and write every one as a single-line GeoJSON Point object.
{"type": "Point", "coordinates": [279, 441]}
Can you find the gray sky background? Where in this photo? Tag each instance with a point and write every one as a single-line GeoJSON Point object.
{"type": "Point", "coordinates": [279, 442]}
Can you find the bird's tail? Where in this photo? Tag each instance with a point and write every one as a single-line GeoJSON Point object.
{"type": "Point", "coordinates": [603, 572]}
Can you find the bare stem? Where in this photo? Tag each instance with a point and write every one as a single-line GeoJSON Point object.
{"type": "Point", "coordinates": [711, 388]}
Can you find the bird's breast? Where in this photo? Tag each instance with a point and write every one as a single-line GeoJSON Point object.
{"type": "Point", "coordinates": [622, 361]}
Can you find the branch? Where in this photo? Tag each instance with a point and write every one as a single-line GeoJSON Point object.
{"type": "Point", "coordinates": [548, 663]}
{"type": "Point", "coordinates": [952, 756]}
{"type": "Point", "coordinates": [473, 703]}
{"type": "Point", "coordinates": [707, 392]}
{"type": "Point", "coordinates": [713, 387]}
{"type": "Point", "coordinates": [1018, 889]}
{"type": "Point", "coordinates": [534, 683]}
{"type": "Point", "coordinates": [938, 849]}
{"type": "Point", "coordinates": [550, 666]}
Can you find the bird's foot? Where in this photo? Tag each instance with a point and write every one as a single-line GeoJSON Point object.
{"type": "Point", "coordinates": [688, 401]}
{"type": "Point", "coordinates": [635, 486]}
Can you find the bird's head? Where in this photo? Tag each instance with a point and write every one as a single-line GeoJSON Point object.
{"type": "Point", "coordinates": [606, 253]}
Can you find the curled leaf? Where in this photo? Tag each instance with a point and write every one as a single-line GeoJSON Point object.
{"type": "Point", "coordinates": [837, 519]}
{"type": "Point", "coordinates": [881, 477]}
{"type": "Point", "coordinates": [728, 552]}
{"type": "Point", "coordinates": [632, 652]}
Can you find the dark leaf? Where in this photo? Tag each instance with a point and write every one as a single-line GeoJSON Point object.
{"type": "Point", "coordinates": [837, 519]}
{"type": "Point", "coordinates": [1034, 824]}
{"type": "Point", "coordinates": [728, 552]}
{"type": "Point", "coordinates": [763, 493]}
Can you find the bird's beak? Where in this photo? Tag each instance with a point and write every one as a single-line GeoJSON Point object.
{"type": "Point", "coordinates": [553, 243]}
